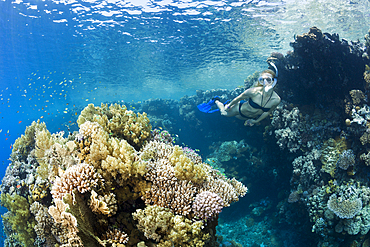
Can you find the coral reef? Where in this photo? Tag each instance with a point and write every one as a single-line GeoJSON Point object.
{"type": "Point", "coordinates": [111, 184]}
{"type": "Point", "coordinates": [286, 124]}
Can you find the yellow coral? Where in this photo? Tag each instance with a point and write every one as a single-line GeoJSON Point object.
{"type": "Point", "coordinates": [330, 154]}
{"type": "Point", "coordinates": [19, 218]}
{"type": "Point", "coordinates": [187, 233]}
{"type": "Point", "coordinates": [122, 160]}
{"type": "Point", "coordinates": [119, 122]}
{"type": "Point", "coordinates": [185, 169]}
{"type": "Point", "coordinates": [24, 144]}
{"type": "Point", "coordinates": [43, 143]}
{"type": "Point", "coordinates": [154, 221]}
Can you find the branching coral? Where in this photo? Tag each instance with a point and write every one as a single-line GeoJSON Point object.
{"type": "Point", "coordinates": [82, 177]}
{"type": "Point", "coordinates": [101, 175]}
{"type": "Point", "coordinates": [106, 204]}
{"type": "Point", "coordinates": [331, 151]}
{"type": "Point", "coordinates": [67, 232]}
{"type": "Point", "coordinates": [366, 158]}
{"type": "Point", "coordinates": [225, 189]}
{"type": "Point", "coordinates": [59, 157]}
{"type": "Point", "coordinates": [115, 237]}
{"type": "Point", "coordinates": [169, 191]}
{"type": "Point", "coordinates": [122, 160]}
{"type": "Point", "coordinates": [304, 168]}
{"type": "Point", "coordinates": [45, 223]}
{"type": "Point", "coordinates": [357, 96]}
{"type": "Point", "coordinates": [286, 124]}
{"type": "Point", "coordinates": [346, 159]}
{"type": "Point", "coordinates": [154, 221]}
{"type": "Point", "coordinates": [207, 205]}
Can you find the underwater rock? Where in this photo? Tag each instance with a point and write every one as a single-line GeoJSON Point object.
{"type": "Point", "coordinates": [321, 69]}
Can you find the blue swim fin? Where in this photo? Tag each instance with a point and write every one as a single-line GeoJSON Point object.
{"type": "Point", "coordinates": [206, 107]}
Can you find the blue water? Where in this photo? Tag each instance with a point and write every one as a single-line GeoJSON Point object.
{"type": "Point", "coordinates": [58, 56]}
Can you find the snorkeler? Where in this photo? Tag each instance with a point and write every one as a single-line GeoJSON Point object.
{"type": "Point", "coordinates": [255, 103]}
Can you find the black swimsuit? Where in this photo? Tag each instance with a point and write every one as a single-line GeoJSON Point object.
{"type": "Point", "coordinates": [254, 105]}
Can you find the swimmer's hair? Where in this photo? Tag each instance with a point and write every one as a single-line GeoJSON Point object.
{"type": "Point", "coordinates": [266, 71]}
{"type": "Point", "coordinates": [269, 71]}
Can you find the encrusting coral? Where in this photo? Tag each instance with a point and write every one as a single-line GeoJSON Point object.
{"type": "Point", "coordinates": [110, 185]}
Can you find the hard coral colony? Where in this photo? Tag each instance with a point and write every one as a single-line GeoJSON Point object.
{"type": "Point", "coordinates": [111, 184]}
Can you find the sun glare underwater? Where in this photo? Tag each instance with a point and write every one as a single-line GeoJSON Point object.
{"type": "Point", "coordinates": [112, 135]}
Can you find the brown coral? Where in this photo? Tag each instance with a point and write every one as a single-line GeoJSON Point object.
{"type": "Point", "coordinates": [82, 177]}
{"type": "Point", "coordinates": [106, 204]}
{"type": "Point", "coordinates": [167, 190]}
{"type": "Point", "coordinates": [367, 77]}
{"type": "Point", "coordinates": [115, 236]}
{"type": "Point", "coordinates": [357, 96]}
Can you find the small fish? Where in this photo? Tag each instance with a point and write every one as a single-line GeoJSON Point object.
{"type": "Point", "coordinates": [18, 186]}
{"type": "Point", "coordinates": [6, 138]}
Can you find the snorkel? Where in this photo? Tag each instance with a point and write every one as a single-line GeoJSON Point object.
{"type": "Point", "coordinates": [267, 87]}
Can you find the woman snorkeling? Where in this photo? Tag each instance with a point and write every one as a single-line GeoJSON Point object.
{"type": "Point", "coordinates": [255, 103]}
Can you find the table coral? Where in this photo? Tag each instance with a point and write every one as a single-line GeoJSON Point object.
{"type": "Point", "coordinates": [344, 208]}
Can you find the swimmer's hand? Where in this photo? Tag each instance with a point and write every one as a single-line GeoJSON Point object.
{"type": "Point", "coordinates": [250, 122]}
{"type": "Point", "coordinates": [227, 107]}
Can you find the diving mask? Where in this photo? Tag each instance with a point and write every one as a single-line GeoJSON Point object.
{"type": "Point", "coordinates": [267, 82]}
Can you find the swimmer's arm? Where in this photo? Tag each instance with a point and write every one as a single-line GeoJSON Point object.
{"type": "Point", "coordinates": [243, 96]}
